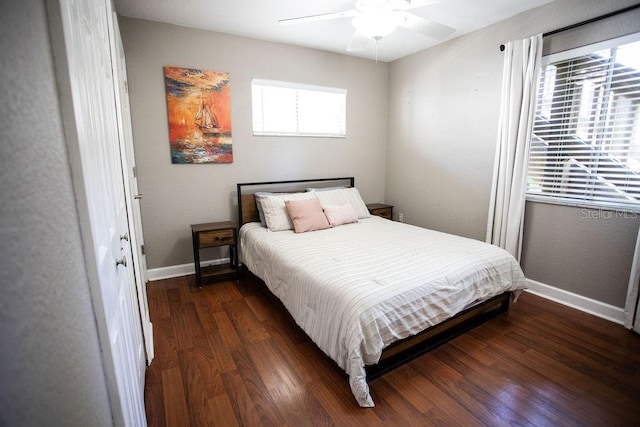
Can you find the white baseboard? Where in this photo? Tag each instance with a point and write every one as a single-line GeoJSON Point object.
{"type": "Point", "coordinates": [588, 305]}
{"type": "Point", "coordinates": [180, 270]}
{"type": "Point", "coordinates": [579, 302]}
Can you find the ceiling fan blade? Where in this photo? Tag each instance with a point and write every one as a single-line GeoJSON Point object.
{"type": "Point", "coordinates": [411, 4]}
{"type": "Point", "coordinates": [427, 27]}
{"type": "Point", "coordinates": [358, 42]}
{"type": "Point", "coordinates": [320, 17]}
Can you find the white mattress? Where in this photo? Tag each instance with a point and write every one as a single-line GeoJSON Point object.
{"type": "Point", "coordinates": [356, 288]}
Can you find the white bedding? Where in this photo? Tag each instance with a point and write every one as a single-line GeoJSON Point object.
{"type": "Point", "coordinates": [356, 288]}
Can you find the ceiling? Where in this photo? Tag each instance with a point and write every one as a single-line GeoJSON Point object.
{"type": "Point", "coordinates": [259, 19]}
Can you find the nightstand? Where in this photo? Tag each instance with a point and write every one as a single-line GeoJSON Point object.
{"type": "Point", "coordinates": [380, 209]}
{"type": "Point", "coordinates": [210, 235]}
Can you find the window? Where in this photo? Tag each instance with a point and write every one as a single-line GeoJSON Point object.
{"type": "Point", "coordinates": [292, 109]}
{"type": "Point", "coordinates": [585, 148]}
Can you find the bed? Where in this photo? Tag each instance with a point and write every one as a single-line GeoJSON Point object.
{"type": "Point", "coordinates": [370, 293]}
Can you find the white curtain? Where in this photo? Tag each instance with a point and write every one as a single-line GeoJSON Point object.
{"type": "Point", "coordinates": [506, 209]}
{"type": "Point", "coordinates": [631, 308]}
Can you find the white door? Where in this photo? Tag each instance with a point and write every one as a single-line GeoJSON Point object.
{"type": "Point", "coordinates": [87, 92]}
{"type": "Point", "coordinates": [132, 195]}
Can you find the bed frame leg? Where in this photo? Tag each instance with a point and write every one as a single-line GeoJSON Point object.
{"type": "Point", "coordinates": [504, 307]}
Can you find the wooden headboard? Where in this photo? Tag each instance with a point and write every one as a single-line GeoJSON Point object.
{"type": "Point", "coordinates": [247, 209]}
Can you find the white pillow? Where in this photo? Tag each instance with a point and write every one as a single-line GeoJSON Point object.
{"type": "Point", "coordinates": [275, 212]}
{"type": "Point", "coordinates": [340, 214]}
{"type": "Point", "coordinates": [341, 196]}
{"type": "Point", "coordinates": [258, 195]}
{"type": "Point", "coordinates": [338, 187]}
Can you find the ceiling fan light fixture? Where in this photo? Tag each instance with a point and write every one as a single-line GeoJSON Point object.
{"type": "Point", "coordinates": [376, 24]}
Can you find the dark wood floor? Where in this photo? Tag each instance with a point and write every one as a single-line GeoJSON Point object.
{"type": "Point", "coordinates": [228, 355]}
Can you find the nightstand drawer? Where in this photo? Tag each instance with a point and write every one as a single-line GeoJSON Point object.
{"type": "Point", "coordinates": [381, 210]}
{"type": "Point", "coordinates": [216, 238]}
{"type": "Point", "coordinates": [384, 213]}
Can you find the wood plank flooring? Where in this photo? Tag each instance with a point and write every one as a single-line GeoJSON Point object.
{"type": "Point", "coordinates": [229, 355]}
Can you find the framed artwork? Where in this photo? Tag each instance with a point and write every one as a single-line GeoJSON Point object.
{"type": "Point", "coordinates": [199, 114]}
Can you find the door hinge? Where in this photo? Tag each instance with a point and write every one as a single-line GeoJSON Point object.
{"type": "Point", "coordinates": [142, 249]}
{"type": "Point", "coordinates": [135, 172]}
{"type": "Point", "coordinates": [126, 86]}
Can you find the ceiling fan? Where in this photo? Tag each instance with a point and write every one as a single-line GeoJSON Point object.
{"type": "Point", "coordinates": [375, 19]}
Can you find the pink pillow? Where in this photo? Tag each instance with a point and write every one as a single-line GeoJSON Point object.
{"type": "Point", "coordinates": [341, 214]}
{"type": "Point", "coordinates": [306, 215]}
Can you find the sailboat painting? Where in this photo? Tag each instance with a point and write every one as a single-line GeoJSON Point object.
{"type": "Point", "coordinates": [199, 114]}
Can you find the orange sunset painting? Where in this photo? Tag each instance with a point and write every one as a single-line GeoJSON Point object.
{"type": "Point", "coordinates": [199, 111]}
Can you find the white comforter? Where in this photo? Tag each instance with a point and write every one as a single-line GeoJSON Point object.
{"type": "Point", "coordinates": [356, 288]}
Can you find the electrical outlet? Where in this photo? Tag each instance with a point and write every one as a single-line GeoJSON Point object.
{"type": "Point", "coordinates": [401, 217]}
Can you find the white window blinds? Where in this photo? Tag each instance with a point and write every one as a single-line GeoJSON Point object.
{"type": "Point", "coordinates": [585, 148]}
{"type": "Point", "coordinates": [292, 109]}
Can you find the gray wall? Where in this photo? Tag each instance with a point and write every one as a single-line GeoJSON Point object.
{"type": "Point", "coordinates": [51, 367]}
{"type": "Point", "coordinates": [442, 127]}
{"type": "Point", "coordinates": [587, 252]}
{"type": "Point", "coordinates": [175, 196]}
